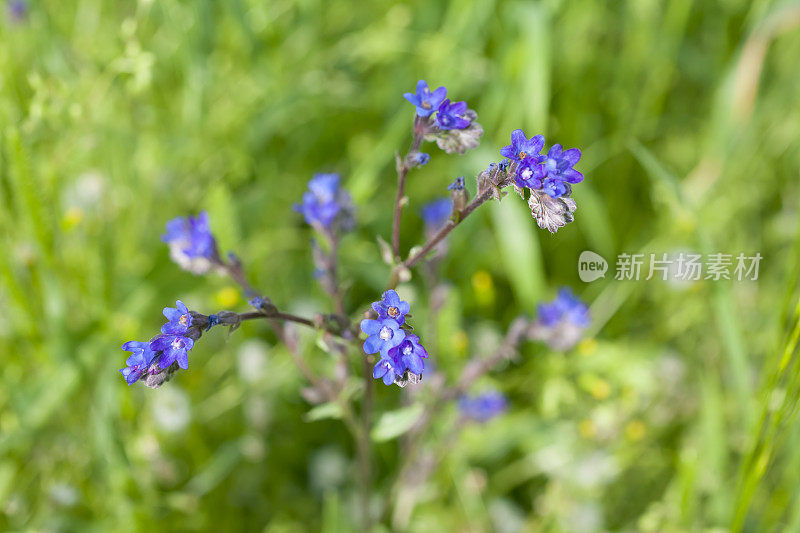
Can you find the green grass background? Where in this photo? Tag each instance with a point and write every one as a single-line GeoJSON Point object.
{"type": "Point", "coordinates": [678, 414]}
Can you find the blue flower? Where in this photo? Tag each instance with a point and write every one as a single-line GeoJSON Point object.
{"type": "Point", "coordinates": [565, 308]}
{"type": "Point", "coordinates": [529, 174]}
{"type": "Point", "coordinates": [324, 201]}
{"type": "Point", "coordinates": [424, 100]}
{"type": "Point", "coordinates": [557, 170]}
{"type": "Point", "coordinates": [179, 319]}
{"type": "Point", "coordinates": [457, 185]}
{"type": "Point", "coordinates": [173, 348]}
{"type": "Point", "coordinates": [436, 213]}
{"type": "Point", "coordinates": [451, 116]}
{"type": "Point", "coordinates": [191, 243]}
{"type": "Point", "coordinates": [383, 335]}
{"type": "Point", "coordinates": [521, 147]}
{"type": "Point", "coordinates": [483, 407]}
{"type": "Point", "coordinates": [419, 159]}
{"type": "Point", "coordinates": [17, 10]}
{"type": "Point", "coordinates": [385, 368]}
{"type": "Point", "coordinates": [555, 188]}
{"type": "Point", "coordinates": [390, 306]}
{"type": "Point", "coordinates": [137, 363]}
{"type": "Point", "coordinates": [408, 355]}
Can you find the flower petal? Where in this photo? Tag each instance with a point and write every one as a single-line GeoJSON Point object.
{"type": "Point", "coordinates": [437, 96]}
{"type": "Point", "coordinates": [183, 359]}
{"type": "Point", "coordinates": [172, 314]}
{"type": "Point", "coordinates": [414, 363]}
{"type": "Point", "coordinates": [572, 156]}
{"type": "Point", "coordinates": [373, 344]}
{"type": "Point", "coordinates": [537, 143]}
{"type": "Point", "coordinates": [161, 343]}
{"type": "Point", "coordinates": [167, 358]}
{"type": "Point", "coordinates": [458, 108]}
{"type": "Point", "coordinates": [391, 298]}
{"type": "Point", "coordinates": [381, 367]}
{"type": "Point", "coordinates": [174, 328]}
{"type": "Point", "coordinates": [572, 176]}
{"type": "Point", "coordinates": [370, 327]}
{"type": "Point", "coordinates": [134, 346]}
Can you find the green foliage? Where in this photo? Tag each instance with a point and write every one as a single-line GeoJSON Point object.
{"type": "Point", "coordinates": [678, 413]}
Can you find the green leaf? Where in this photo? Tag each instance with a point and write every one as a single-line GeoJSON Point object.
{"type": "Point", "coordinates": [323, 411]}
{"type": "Point", "coordinates": [394, 423]}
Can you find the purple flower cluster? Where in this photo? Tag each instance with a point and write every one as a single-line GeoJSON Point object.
{"type": "Point", "coordinates": [191, 243]}
{"type": "Point", "coordinates": [400, 352]}
{"type": "Point", "coordinates": [449, 116]}
{"type": "Point", "coordinates": [551, 173]}
{"type": "Point", "coordinates": [483, 407]}
{"type": "Point", "coordinates": [157, 355]}
{"type": "Point", "coordinates": [560, 323]}
{"type": "Point", "coordinates": [565, 308]}
{"type": "Point", "coordinates": [139, 362]}
{"type": "Point", "coordinates": [325, 205]}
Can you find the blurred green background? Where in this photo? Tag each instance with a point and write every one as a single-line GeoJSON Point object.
{"type": "Point", "coordinates": [677, 412]}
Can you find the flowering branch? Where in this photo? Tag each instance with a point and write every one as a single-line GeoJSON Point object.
{"type": "Point", "coordinates": [543, 180]}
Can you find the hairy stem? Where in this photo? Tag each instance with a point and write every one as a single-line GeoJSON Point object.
{"type": "Point", "coordinates": [451, 224]}
{"type": "Point", "coordinates": [447, 228]}
{"type": "Point", "coordinates": [336, 293]}
{"type": "Point", "coordinates": [402, 171]}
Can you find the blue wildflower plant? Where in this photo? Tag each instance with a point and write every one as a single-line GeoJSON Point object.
{"type": "Point", "coordinates": [436, 213]}
{"type": "Point", "coordinates": [424, 100]}
{"type": "Point", "coordinates": [326, 206]}
{"type": "Point", "coordinates": [191, 244]}
{"type": "Point", "coordinates": [380, 334]}
{"type": "Point", "coordinates": [401, 354]}
{"type": "Point", "coordinates": [482, 407]}
{"type": "Point", "coordinates": [391, 306]}
{"type": "Point", "coordinates": [561, 322]}
{"type": "Point", "coordinates": [452, 125]}
{"type": "Point", "coordinates": [17, 10]}
{"type": "Point", "coordinates": [544, 180]}
{"type": "Point", "coordinates": [138, 363]}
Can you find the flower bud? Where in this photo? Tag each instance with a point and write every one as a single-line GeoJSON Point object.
{"type": "Point", "coordinates": [458, 194]}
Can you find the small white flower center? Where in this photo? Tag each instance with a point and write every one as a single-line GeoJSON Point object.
{"type": "Point", "coordinates": [177, 343]}
{"type": "Point", "coordinates": [385, 333]}
{"type": "Point", "coordinates": [408, 349]}
{"type": "Point", "coordinates": [527, 173]}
